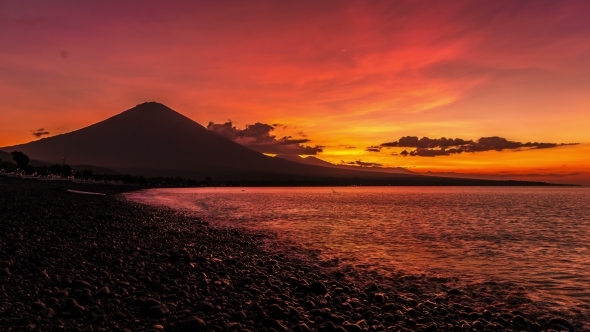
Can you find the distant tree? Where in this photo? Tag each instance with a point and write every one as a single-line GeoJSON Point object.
{"type": "Point", "coordinates": [21, 159]}
{"type": "Point", "coordinates": [66, 170]}
{"type": "Point", "coordinates": [55, 169]}
{"type": "Point", "coordinates": [87, 174]}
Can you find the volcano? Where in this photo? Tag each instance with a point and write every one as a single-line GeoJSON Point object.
{"type": "Point", "coordinates": [154, 140]}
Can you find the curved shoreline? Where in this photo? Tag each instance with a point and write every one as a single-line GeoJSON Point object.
{"type": "Point", "coordinates": [85, 262]}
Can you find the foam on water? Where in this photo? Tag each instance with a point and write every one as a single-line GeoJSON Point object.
{"type": "Point", "coordinates": [536, 237]}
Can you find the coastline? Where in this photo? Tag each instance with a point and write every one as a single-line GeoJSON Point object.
{"type": "Point", "coordinates": [86, 262]}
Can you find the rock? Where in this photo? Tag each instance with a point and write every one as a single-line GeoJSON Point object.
{"type": "Point", "coordinates": [5, 272]}
{"type": "Point", "coordinates": [194, 323]}
{"type": "Point", "coordinates": [240, 315]}
{"type": "Point", "coordinates": [302, 327]}
{"type": "Point", "coordinates": [329, 326]}
{"type": "Point", "coordinates": [275, 324]}
{"type": "Point", "coordinates": [80, 284]}
{"type": "Point", "coordinates": [70, 303]}
{"type": "Point", "coordinates": [318, 287]}
{"type": "Point", "coordinates": [477, 325]}
{"type": "Point", "coordinates": [149, 303]}
{"type": "Point", "coordinates": [38, 305]}
{"type": "Point", "coordinates": [431, 328]}
{"type": "Point", "coordinates": [104, 291]}
{"type": "Point", "coordinates": [62, 293]}
{"type": "Point", "coordinates": [247, 280]}
{"type": "Point", "coordinates": [520, 320]}
{"type": "Point", "coordinates": [455, 291]}
{"type": "Point", "coordinates": [158, 311]}
{"type": "Point", "coordinates": [49, 313]}
{"type": "Point", "coordinates": [233, 326]}
{"type": "Point", "coordinates": [352, 328]}
{"type": "Point", "coordinates": [372, 288]}
{"type": "Point", "coordinates": [379, 298]}
{"type": "Point", "coordinates": [562, 322]}
{"type": "Point", "coordinates": [206, 306]}
{"type": "Point", "coordinates": [99, 319]}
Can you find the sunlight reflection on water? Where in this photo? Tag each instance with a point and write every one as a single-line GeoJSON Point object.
{"type": "Point", "coordinates": [537, 237]}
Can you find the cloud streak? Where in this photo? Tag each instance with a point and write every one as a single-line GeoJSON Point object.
{"type": "Point", "coordinates": [361, 163]}
{"type": "Point", "coordinates": [432, 147]}
{"type": "Point", "coordinates": [40, 132]}
{"type": "Point", "coordinates": [258, 137]}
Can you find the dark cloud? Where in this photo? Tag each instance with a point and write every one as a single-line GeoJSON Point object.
{"type": "Point", "coordinates": [373, 148]}
{"type": "Point", "coordinates": [425, 142]}
{"type": "Point", "coordinates": [347, 146]}
{"type": "Point", "coordinates": [361, 163]}
{"type": "Point", "coordinates": [258, 137]}
{"type": "Point", "coordinates": [40, 132]}
{"type": "Point", "coordinates": [427, 147]}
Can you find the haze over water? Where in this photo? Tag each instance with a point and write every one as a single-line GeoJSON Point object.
{"type": "Point", "coordinates": [536, 237]}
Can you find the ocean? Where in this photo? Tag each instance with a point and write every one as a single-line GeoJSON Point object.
{"type": "Point", "coordinates": [535, 237]}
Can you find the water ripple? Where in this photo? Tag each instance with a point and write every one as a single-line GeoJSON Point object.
{"type": "Point", "coordinates": [536, 237]}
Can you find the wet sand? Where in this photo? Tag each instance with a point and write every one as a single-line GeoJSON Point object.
{"type": "Point", "coordinates": [71, 261]}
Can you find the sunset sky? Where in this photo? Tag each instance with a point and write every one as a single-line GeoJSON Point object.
{"type": "Point", "coordinates": [337, 76]}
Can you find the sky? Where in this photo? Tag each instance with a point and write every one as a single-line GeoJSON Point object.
{"type": "Point", "coordinates": [346, 81]}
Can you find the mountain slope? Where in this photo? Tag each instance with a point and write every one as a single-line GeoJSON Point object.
{"type": "Point", "coordinates": [311, 160]}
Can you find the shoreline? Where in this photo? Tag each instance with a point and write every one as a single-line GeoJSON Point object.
{"type": "Point", "coordinates": [86, 262]}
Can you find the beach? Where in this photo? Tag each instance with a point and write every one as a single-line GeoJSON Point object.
{"type": "Point", "coordinates": [72, 261]}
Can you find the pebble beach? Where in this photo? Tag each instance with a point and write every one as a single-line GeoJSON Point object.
{"type": "Point", "coordinates": [77, 262]}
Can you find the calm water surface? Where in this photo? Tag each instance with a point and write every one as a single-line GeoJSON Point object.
{"type": "Point", "coordinates": [536, 237]}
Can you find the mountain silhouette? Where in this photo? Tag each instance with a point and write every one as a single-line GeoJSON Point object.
{"type": "Point", "coordinates": [152, 139]}
{"type": "Point", "coordinates": [311, 160]}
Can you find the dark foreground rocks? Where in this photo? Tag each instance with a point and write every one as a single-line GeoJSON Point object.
{"type": "Point", "coordinates": [97, 263]}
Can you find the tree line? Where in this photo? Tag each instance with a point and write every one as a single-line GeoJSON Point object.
{"type": "Point", "coordinates": [21, 164]}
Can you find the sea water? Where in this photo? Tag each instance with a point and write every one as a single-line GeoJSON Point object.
{"type": "Point", "coordinates": [537, 237]}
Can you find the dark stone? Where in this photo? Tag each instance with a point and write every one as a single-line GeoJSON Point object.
{"type": "Point", "coordinates": [49, 313]}
{"type": "Point", "coordinates": [104, 291]}
{"type": "Point", "coordinates": [520, 320]}
{"type": "Point", "coordinates": [477, 325]}
{"type": "Point", "coordinates": [329, 326]}
{"type": "Point", "coordinates": [194, 323]}
{"type": "Point", "coordinates": [62, 293]}
{"type": "Point", "coordinates": [379, 298]}
{"type": "Point", "coordinates": [431, 328]}
{"type": "Point", "coordinates": [149, 303]}
{"type": "Point", "coordinates": [157, 311]}
{"type": "Point", "coordinates": [301, 328]}
{"type": "Point", "coordinates": [80, 284]}
{"type": "Point", "coordinates": [233, 326]}
{"type": "Point", "coordinates": [206, 306]}
{"type": "Point", "coordinates": [352, 328]}
{"type": "Point", "coordinates": [99, 319]}
{"type": "Point", "coordinates": [318, 287]}
{"type": "Point", "coordinates": [275, 324]}
{"type": "Point", "coordinates": [455, 291]}
{"type": "Point", "coordinates": [70, 303]}
{"type": "Point", "coordinates": [240, 315]}
{"type": "Point", "coordinates": [38, 305]}
{"type": "Point", "coordinates": [562, 322]}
